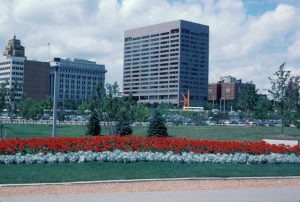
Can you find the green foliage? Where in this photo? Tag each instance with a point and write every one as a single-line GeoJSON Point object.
{"type": "Point", "coordinates": [29, 109]}
{"type": "Point", "coordinates": [142, 112]}
{"type": "Point", "coordinates": [47, 103]}
{"type": "Point", "coordinates": [11, 98]}
{"type": "Point", "coordinates": [111, 108]}
{"type": "Point", "coordinates": [93, 125]}
{"type": "Point", "coordinates": [61, 116]}
{"type": "Point", "coordinates": [123, 128]}
{"type": "Point", "coordinates": [247, 98]}
{"type": "Point", "coordinates": [262, 108]}
{"type": "Point", "coordinates": [157, 126]}
{"type": "Point", "coordinates": [84, 107]}
{"type": "Point", "coordinates": [3, 94]}
{"type": "Point", "coordinates": [281, 91]}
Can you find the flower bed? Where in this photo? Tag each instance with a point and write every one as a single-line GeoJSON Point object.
{"type": "Point", "coordinates": [131, 157]}
{"type": "Point", "coordinates": [139, 143]}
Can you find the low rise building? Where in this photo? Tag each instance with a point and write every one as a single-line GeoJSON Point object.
{"type": "Point", "coordinates": [228, 88]}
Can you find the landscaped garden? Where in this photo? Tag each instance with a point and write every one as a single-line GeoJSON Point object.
{"type": "Point", "coordinates": [120, 157]}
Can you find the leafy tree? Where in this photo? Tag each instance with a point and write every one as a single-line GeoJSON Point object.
{"type": "Point", "coordinates": [47, 104]}
{"type": "Point", "coordinates": [93, 125]}
{"type": "Point", "coordinates": [281, 91]}
{"type": "Point", "coordinates": [164, 109]}
{"type": "Point", "coordinates": [247, 98]}
{"type": "Point", "coordinates": [12, 98]}
{"type": "Point", "coordinates": [61, 116]}
{"type": "Point", "coordinates": [157, 126]}
{"type": "Point", "coordinates": [262, 108]}
{"type": "Point", "coordinates": [112, 109]}
{"type": "Point", "coordinates": [142, 112]}
{"type": "Point", "coordinates": [84, 107]}
{"type": "Point", "coordinates": [29, 109]}
{"type": "Point", "coordinates": [3, 94]}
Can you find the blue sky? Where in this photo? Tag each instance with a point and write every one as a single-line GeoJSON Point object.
{"type": "Point", "coordinates": [248, 39]}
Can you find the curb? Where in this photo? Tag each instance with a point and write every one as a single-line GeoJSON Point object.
{"type": "Point", "coordinates": [153, 180]}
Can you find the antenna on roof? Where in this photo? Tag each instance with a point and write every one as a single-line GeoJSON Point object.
{"type": "Point", "coordinates": [48, 50]}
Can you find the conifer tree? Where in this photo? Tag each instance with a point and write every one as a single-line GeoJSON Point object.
{"type": "Point", "coordinates": [157, 126]}
{"type": "Point", "coordinates": [93, 125]}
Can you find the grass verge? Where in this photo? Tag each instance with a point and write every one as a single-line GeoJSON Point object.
{"type": "Point", "coordinates": [240, 133]}
{"type": "Point", "coordinates": [68, 172]}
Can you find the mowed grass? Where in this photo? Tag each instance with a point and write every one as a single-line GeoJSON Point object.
{"type": "Point", "coordinates": [240, 133]}
{"type": "Point", "coordinates": [35, 173]}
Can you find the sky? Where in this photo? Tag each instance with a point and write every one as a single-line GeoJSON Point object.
{"type": "Point", "coordinates": [249, 39]}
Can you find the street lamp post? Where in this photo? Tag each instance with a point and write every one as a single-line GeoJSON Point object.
{"type": "Point", "coordinates": [224, 106]}
{"type": "Point", "coordinates": [54, 101]}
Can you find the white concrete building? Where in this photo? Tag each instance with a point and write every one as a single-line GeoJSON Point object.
{"type": "Point", "coordinates": [12, 66]}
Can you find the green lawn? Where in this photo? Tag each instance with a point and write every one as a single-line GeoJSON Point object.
{"type": "Point", "coordinates": [195, 132]}
{"type": "Point", "coordinates": [34, 173]}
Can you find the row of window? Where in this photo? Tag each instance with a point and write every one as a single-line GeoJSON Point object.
{"type": "Point", "coordinates": [13, 62]}
{"type": "Point", "coordinates": [81, 71]}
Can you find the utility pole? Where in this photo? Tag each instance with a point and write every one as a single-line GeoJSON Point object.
{"type": "Point", "coordinates": [54, 101]}
{"type": "Point", "coordinates": [224, 107]}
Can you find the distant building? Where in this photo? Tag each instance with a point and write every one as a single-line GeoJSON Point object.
{"type": "Point", "coordinates": [228, 88]}
{"type": "Point", "coordinates": [214, 91]}
{"type": "Point", "coordinates": [36, 79]}
{"type": "Point", "coordinates": [77, 78]}
{"type": "Point", "coordinates": [14, 48]}
{"type": "Point", "coordinates": [12, 66]}
{"type": "Point", "coordinates": [163, 61]}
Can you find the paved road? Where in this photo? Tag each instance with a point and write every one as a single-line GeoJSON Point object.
{"type": "Point", "coordinates": [282, 194]}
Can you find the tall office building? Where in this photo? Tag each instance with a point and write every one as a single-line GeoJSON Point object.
{"type": "Point", "coordinates": [77, 78]}
{"type": "Point", "coordinates": [163, 61]}
{"type": "Point", "coordinates": [12, 66]}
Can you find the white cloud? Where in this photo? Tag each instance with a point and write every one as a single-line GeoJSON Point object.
{"type": "Point", "coordinates": [245, 46]}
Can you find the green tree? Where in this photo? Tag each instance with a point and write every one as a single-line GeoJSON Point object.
{"type": "Point", "coordinates": [157, 126]}
{"type": "Point", "coordinates": [3, 94]}
{"type": "Point", "coordinates": [13, 98]}
{"type": "Point", "coordinates": [142, 112]}
{"type": "Point", "coordinates": [29, 109]}
{"type": "Point", "coordinates": [262, 108]}
{"type": "Point", "coordinates": [93, 125]}
{"type": "Point", "coordinates": [84, 107]}
{"type": "Point", "coordinates": [47, 104]}
{"type": "Point", "coordinates": [280, 91]}
{"type": "Point", "coordinates": [111, 108]}
{"type": "Point", "coordinates": [247, 98]}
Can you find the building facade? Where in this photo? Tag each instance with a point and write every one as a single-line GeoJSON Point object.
{"type": "Point", "coordinates": [77, 78]}
{"type": "Point", "coordinates": [165, 60]}
{"type": "Point", "coordinates": [228, 88]}
{"type": "Point", "coordinates": [214, 92]}
{"type": "Point", "coordinates": [12, 67]}
{"type": "Point", "coordinates": [36, 79]}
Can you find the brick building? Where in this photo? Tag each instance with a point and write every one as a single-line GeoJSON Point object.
{"type": "Point", "coordinates": [228, 88]}
{"type": "Point", "coordinates": [36, 79]}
